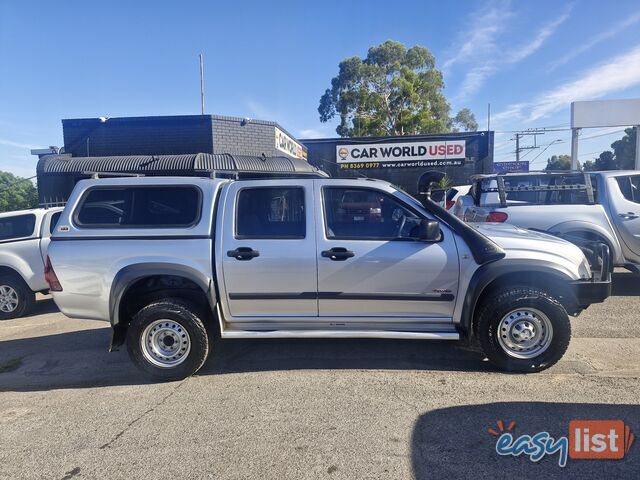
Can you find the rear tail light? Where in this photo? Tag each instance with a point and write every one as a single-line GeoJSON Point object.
{"type": "Point", "coordinates": [50, 277]}
{"type": "Point", "coordinates": [498, 217]}
{"type": "Point", "coordinates": [450, 203]}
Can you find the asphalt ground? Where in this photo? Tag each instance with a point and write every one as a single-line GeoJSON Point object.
{"type": "Point", "coordinates": [345, 409]}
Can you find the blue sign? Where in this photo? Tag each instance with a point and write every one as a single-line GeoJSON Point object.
{"type": "Point", "coordinates": [510, 167]}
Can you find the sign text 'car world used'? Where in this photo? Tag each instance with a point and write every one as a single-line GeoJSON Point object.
{"type": "Point", "coordinates": [396, 154]}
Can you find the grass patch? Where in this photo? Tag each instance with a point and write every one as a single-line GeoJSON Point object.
{"type": "Point", "coordinates": [10, 365]}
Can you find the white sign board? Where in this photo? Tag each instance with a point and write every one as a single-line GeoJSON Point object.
{"type": "Point", "coordinates": [288, 145]}
{"type": "Point", "coordinates": [401, 152]}
{"type": "Point", "coordinates": [605, 113]}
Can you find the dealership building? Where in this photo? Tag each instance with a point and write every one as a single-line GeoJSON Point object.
{"type": "Point", "coordinates": [199, 145]}
{"type": "Point", "coordinates": [411, 162]}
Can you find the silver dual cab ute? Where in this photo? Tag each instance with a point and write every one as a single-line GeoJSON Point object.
{"type": "Point", "coordinates": [176, 264]}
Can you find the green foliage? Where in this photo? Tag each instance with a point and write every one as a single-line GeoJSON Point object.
{"type": "Point", "coordinates": [559, 162]}
{"type": "Point", "coordinates": [393, 91]}
{"type": "Point", "coordinates": [624, 150]}
{"type": "Point", "coordinates": [445, 183]}
{"type": "Point", "coordinates": [464, 121]}
{"type": "Point", "coordinates": [605, 161]}
{"type": "Point", "coordinates": [621, 158]}
{"type": "Point", "coordinates": [16, 193]}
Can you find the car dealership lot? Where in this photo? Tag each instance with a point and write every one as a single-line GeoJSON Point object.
{"type": "Point", "coordinates": [305, 409]}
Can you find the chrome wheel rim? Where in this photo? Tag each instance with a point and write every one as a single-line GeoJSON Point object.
{"type": "Point", "coordinates": [165, 343]}
{"type": "Point", "coordinates": [525, 333]}
{"type": "Point", "coordinates": [8, 299]}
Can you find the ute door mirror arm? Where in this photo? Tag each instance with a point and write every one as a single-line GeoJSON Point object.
{"type": "Point", "coordinates": [429, 231]}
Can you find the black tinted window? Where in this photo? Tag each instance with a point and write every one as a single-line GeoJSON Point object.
{"type": "Point", "coordinates": [158, 207]}
{"type": "Point", "coordinates": [367, 214]}
{"type": "Point", "coordinates": [271, 213]}
{"type": "Point", "coordinates": [630, 187]}
{"type": "Point", "coordinates": [17, 227]}
{"type": "Point", "coordinates": [54, 221]}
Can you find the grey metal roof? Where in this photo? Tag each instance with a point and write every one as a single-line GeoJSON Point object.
{"type": "Point", "coordinates": [192, 164]}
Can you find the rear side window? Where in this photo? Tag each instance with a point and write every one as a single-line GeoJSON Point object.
{"type": "Point", "coordinates": [140, 207]}
{"type": "Point", "coordinates": [271, 213]}
{"type": "Point", "coordinates": [54, 221]}
{"type": "Point", "coordinates": [19, 226]}
{"type": "Point", "coordinates": [630, 187]}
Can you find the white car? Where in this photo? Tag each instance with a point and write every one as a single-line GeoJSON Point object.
{"type": "Point", "coordinates": [24, 239]}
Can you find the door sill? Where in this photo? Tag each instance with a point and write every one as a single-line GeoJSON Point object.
{"type": "Point", "coordinates": [407, 335]}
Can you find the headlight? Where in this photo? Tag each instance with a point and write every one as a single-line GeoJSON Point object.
{"type": "Point", "coordinates": [585, 268]}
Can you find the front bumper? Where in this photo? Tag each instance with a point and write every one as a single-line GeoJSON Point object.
{"type": "Point", "coordinates": [587, 292]}
{"type": "Point", "coordinates": [598, 288]}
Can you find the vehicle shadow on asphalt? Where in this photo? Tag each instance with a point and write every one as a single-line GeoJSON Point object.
{"type": "Point", "coordinates": [625, 284]}
{"type": "Point", "coordinates": [455, 442]}
{"type": "Point", "coordinates": [43, 307]}
{"type": "Point", "coordinates": [236, 356]}
{"type": "Point", "coordinates": [80, 359]}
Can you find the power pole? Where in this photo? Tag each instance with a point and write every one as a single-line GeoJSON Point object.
{"type": "Point", "coordinates": [202, 82]}
{"type": "Point", "coordinates": [532, 131]}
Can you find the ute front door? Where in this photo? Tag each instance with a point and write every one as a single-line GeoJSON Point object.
{"type": "Point", "coordinates": [370, 263]}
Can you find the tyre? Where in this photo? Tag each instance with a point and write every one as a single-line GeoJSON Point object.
{"type": "Point", "coordinates": [523, 329]}
{"type": "Point", "coordinates": [167, 340]}
{"type": "Point", "coordinates": [16, 298]}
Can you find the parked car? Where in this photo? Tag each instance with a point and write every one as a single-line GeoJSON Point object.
{"type": "Point", "coordinates": [24, 238]}
{"type": "Point", "coordinates": [580, 207]}
{"type": "Point", "coordinates": [186, 261]}
{"type": "Point", "coordinates": [446, 197]}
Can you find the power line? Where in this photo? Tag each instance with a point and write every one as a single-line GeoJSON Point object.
{"type": "Point", "coordinates": [602, 134]}
{"type": "Point", "coordinates": [546, 148]}
{"type": "Point", "coordinates": [11, 185]}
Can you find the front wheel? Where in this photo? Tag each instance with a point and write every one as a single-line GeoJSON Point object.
{"type": "Point", "coordinates": [167, 340]}
{"type": "Point", "coordinates": [523, 329]}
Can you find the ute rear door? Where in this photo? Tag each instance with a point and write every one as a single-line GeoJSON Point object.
{"type": "Point", "coordinates": [268, 249]}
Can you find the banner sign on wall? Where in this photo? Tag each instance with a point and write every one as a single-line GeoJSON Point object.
{"type": "Point", "coordinates": [440, 153]}
{"type": "Point", "coordinates": [288, 145]}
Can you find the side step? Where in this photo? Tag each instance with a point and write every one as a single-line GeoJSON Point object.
{"type": "Point", "coordinates": [340, 334]}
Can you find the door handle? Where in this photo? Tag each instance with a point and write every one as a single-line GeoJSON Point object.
{"type": "Point", "coordinates": [243, 253]}
{"type": "Point", "coordinates": [628, 215]}
{"type": "Point", "coordinates": [338, 254]}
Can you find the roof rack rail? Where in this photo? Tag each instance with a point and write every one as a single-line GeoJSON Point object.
{"type": "Point", "coordinates": [97, 175]}
{"type": "Point", "coordinates": [501, 189]}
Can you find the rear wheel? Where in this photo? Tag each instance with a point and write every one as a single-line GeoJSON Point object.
{"type": "Point", "coordinates": [168, 340]}
{"type": "Point", "coordinates": [16, 298]}
{"type": "Point", "coordinates": [523, 329]}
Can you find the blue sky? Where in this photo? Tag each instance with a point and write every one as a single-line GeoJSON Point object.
{"type": "Point", "coordinates": [273, 60]}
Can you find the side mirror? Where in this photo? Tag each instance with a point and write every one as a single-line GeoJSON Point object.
{"type": "Point", "coordinates": [429, 230]}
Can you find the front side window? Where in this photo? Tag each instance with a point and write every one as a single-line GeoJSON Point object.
{"type": "Point", "coordinates": [144, 207]}
{"type": "Point", "coordinates": [366, 214]}
{"type": "Point", "coordinates": [19, 226]}
{"type": "Point", "coordinates": [271, 213]}
{"type": "Point", "coordinates": [630, 187]}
